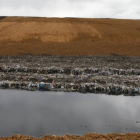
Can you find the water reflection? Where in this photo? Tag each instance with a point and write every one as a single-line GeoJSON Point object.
{"type": "Point", "coordinates": [58, 113]}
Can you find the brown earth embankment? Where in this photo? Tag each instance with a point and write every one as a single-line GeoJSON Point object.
{"type": "Point", "coordinates": [69, 36]}
{"type": "Point", "coordinates": [92, 136]}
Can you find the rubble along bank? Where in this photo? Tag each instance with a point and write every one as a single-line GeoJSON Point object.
{"type": "Point", "coordinates": [87, 74]}
{"type": "Point", "coordinates": [92, 136]}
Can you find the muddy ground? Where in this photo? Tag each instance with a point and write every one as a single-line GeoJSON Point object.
{"type": "Point", "coordinates": [83, 61]}
{"type": "Point", "coordinates": [92, 136]}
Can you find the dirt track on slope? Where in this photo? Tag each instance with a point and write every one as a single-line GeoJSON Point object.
{"type": "Point", "coordinates": [69, 36]}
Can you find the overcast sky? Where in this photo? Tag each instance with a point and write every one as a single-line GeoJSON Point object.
{"type": "Point", "coordinates": [125, 9]}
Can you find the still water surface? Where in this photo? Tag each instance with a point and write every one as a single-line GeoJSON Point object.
{"type": "Point", "coordinates": [59, 113]}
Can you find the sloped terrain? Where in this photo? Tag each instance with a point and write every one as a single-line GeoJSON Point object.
{"type": "Point", "coordinates": [69, 36]}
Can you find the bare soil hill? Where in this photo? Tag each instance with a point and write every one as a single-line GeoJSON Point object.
{"type": "Point", "coordinates": [69, 36]}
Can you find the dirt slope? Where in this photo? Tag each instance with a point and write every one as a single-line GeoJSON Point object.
{"type": "Point", "coordinates": [69, 36]}
{"type": "Point", "coordinates": [92, 136]}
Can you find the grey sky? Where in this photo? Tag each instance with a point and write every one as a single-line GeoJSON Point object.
{"type": "Point", "coordinates": [125, 9]}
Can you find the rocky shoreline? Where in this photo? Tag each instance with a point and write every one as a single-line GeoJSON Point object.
{"type": "Point", "coordinates": [113, 74]}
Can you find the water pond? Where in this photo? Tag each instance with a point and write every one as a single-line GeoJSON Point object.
{"type": "Point", "coordinates": [59, 113]}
